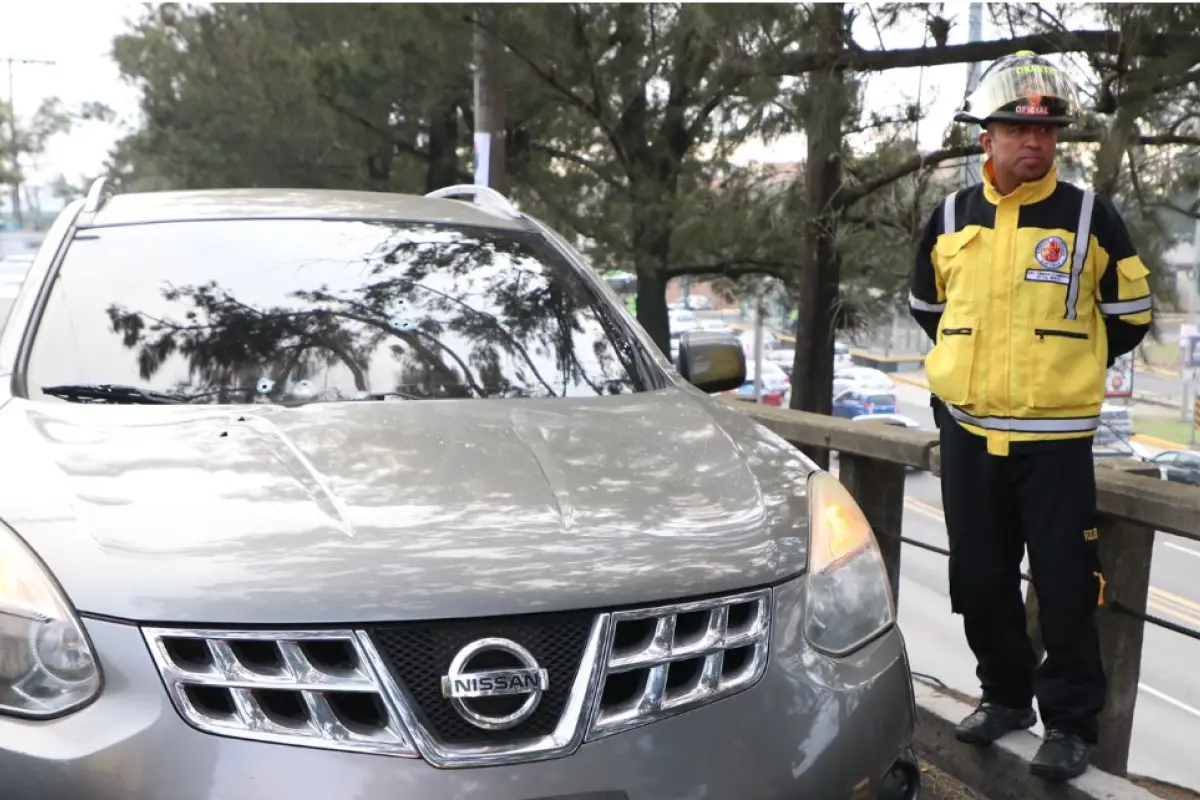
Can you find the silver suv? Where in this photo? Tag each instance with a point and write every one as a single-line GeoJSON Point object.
{"type": "Point", "coordinates": [355, 495]}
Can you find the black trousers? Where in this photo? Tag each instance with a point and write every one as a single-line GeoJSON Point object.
{"type": "Point", "coordinates": [1042, 497]}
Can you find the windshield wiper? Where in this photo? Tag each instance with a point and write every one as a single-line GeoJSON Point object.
{"type": "Point", "coordinates": [111, 393]}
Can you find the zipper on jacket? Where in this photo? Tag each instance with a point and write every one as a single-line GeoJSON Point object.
{"type": "Point", "coordinates": [956, 331]}
{"type": "Point", "coordinates": [1042, 333]}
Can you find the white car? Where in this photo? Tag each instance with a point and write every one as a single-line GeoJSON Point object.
{"type": "Point", "coordinates": [867, 378]}
{"type": "Point", "coordinates": [841, 356]}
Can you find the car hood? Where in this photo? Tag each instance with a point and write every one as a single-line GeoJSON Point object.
{"type": "Point", "coordinates": [349, 512]}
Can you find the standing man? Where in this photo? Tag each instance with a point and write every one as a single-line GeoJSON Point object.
{"type": "Point", "coordinates": [1030, 289]}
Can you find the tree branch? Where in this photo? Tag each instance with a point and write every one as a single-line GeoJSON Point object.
{"type": "Point", "coordinates": [736, 268]}
{"type": "Point", "coordinates": [589, 165]}
{"type": "Point", "coordinates": [1087, 41]}
{"type": "Point", "coordinates": [1110, 103]}
{"type": "Point", "coordinates": [852, 194]}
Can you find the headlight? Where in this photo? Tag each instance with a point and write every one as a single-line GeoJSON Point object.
{"type": "Point", "coordinates": [849, 597]}
{"type": "Point", "coordinates": [46, 664]}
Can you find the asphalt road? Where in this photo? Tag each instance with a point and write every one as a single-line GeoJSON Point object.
{"type": "Point", "coordinates": [1163, 387]}
{"type": "Point", "coordinates": [1167, 722]}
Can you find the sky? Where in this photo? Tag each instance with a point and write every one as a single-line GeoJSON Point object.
{"type": "Point", "coordinates": [78, 37]}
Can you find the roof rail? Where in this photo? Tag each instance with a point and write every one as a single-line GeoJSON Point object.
{"type": "Point", "coordinates": [483, 195]}
{"type": "Point", "coordinates": [100, 191]}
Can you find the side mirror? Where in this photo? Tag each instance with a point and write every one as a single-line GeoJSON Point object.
{"type": "Point", "coordinates": [711, 361]}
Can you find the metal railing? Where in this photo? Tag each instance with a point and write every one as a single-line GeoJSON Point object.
{"type": "Point", "coordinates": [1132, 506]}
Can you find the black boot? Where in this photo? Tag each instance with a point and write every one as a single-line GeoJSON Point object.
{"type": "Point", "coordinates": [1061, 757]}
{"type": "Point", "coordinates": [991, 721]}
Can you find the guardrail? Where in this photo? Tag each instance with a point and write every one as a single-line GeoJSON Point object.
{"type": "Point", "coordinates": [873, 461]}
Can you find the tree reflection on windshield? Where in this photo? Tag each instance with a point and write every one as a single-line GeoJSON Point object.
{"type": "Point", "coordinates": [224, 311]}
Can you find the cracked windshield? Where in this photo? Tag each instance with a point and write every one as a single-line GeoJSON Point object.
{"type": "Point", "coordinates": [325, 310]}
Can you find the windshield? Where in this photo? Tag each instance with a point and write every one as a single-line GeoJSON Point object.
{"type": "Point", "coordinates": [311, 310]}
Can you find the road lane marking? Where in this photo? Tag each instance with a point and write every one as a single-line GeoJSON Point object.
{"type": "Point", "coordinates": [1182, 549]}
{"type": "Point", "coordinates": [1154, 597]}
{"type": "Point", "coordinates": [1166, 698]}
{"type": "Point", "coordinates": [1160, 601]}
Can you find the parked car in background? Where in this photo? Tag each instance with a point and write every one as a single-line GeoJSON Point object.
{"type": "Point", "coordinates": [784, 357]}
{"type": "Point", "coordinates": [1178, 466]}
{"type": "Point", "coordinates": [776, 387]}
{"type": "Point", "coordinates": [841, 356]}
{"type": "Point", "coordinates": [853, 403]}
{"type": "Point", "coordinates": [332, 494]}
{"type": "Point", "coordinates": [866, 378]}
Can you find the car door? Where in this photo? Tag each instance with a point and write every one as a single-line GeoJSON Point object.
{"type": "Point", "coordinates": [1166, 463]}
{"type": "Point", "coordinates": [1187, 469]}
{"type": "Point", "coordinates": [843, 405]}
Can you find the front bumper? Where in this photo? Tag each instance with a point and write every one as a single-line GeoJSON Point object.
{"type": "Point", "coordinates": [812, 727]}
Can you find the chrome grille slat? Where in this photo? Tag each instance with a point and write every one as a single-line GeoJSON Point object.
{"type": "Point", "coordinates": [656, 699]}
{"type": "Point", "coordinates": [281, 686]}
{"type": "Point", "coordinates": [309, 688]}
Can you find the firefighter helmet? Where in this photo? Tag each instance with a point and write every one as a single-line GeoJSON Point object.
{"type": "Point", "coordinates": [1022, 87]}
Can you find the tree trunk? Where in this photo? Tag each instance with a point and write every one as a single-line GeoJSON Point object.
{"type": "Point", "coordinates": [444, 139]}
{"type": "Point", "coordinates": [1112, 150]}
{"type": "Point", "coordinates": [652, 253]}
{"type": "Point", "coordinates": [812, 384]}
{"type": "Point", "coordinates": [652, 307]}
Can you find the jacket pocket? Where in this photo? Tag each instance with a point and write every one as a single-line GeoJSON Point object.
{"type": "Point", "coordinates": [1065, 371]}
{"type": "Point", "coordinates": [950, 365]}
{"type": "Point", "coordinates": [955, 259]}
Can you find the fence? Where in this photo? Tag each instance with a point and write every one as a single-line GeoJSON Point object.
{"type": "Point", "coordinates": [873, 461]}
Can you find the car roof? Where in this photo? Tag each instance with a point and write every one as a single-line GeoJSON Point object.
{"type": "Point", "coordinates": [213, 204]}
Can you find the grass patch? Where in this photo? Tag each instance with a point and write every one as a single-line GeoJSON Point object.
{"type": "Point", "coordinates": [1162, 354]}
{"type": "Point", "coordinates": [1170, 428]}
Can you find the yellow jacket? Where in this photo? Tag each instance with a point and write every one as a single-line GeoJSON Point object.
{"type": "Point", "coordinates": [1025, 323]}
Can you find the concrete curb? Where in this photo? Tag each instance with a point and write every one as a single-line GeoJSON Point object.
{"type": "Point", "coordinates": [1162, 372]}
{"type": "Point", "coordinates": [1001, 772]}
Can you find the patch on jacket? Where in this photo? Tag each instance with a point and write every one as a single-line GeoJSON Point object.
{"type": "Point", "coordinates": [1051, 252]}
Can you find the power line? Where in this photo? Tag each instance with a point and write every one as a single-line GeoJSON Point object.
{"type": "Point", "coordinates": [12, 131]}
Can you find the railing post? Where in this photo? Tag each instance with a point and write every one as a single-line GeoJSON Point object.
{"type": "Point", "coordinates": [878, 486]}
{"type": "Point", "coordinates": [1126, 549]}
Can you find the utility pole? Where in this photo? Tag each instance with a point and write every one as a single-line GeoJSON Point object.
{"type": "Point", "coordinates": [12, 134]}
{"type": "Point", "coordinates": [972, 164]}
{"type": "Point", "coordinates": [489, 102]}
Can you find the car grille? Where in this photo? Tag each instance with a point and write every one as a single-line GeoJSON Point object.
{"type": "Point", "coordinates": [419, 654]}
{"type": "Point", "coordinates": [670, 659]}
{"type": "Point", "coordinates": [378, 690]}
{"type": "Point", "coordinates": [290, 687]}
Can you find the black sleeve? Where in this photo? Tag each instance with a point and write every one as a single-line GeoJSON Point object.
{"type": "Point", "coordinates": [1123, 290]}
{"type": "Point", "coordinates": [926, 299]}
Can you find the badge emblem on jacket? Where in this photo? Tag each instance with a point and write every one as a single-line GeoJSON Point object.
{"type": "Point", "coordinates": [1051, 252]}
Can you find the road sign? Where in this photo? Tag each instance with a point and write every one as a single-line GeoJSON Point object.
{"type": "Point", "coordinates": [1196, 414]}
{"type": "Point", "coordinates": [1119, 380]}
{"type": "Point", "coordinates": [1191, 351]}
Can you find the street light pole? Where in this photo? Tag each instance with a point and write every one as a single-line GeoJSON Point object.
{"type": "Point", "coordinates": [971, 164]}
{"type": "Point", "coordinates": [12, 133]}
{"type": "Point", "coordinates": [489, 102]}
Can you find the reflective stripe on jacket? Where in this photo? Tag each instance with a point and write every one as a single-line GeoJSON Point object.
{"type": "Point", "coordinates": [1025, 323]}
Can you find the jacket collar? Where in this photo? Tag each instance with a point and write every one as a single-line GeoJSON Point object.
{"type": "Point", "coordinates": [1026, 193]}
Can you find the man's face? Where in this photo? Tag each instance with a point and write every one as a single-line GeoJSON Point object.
{"type": "Point", "coordinates": [1024, 151]}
